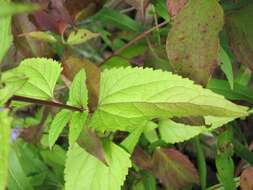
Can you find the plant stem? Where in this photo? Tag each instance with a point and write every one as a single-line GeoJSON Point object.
{"type": "Point", "coordinates": [133, 41]}
{"type": "Point", "coordinates": [45, 103]}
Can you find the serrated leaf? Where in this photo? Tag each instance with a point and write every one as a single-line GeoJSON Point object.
{"type": "Point", "coordinates": [174, 169]}
{"type": "Point", "coordinates": [60, 121]}
{"type": "Point", "coordinates": [5, 31]}
{"type": "Point", "coordinates": [76, 125]}
{"type": "Point", "coordinates": [5, 130]}
{"type": "Point", "coordinates": [42, 36]}
{"type": "Point", "coordinates": [78, 94]}
{"type": "Point", "coordinates": [12, 82]}
{"type": "Point", "coordinates": [226, 67]}
{"type": "Point", "coordinates": [132, 95]}
{"type": "Point", "coordinates": [83, 171]}
{"type": "Point", "coordinates": [42, 74]}
{"type": "Point", "coordinates": [80, 36]}
{"type": "Point", "coordinates": [193, 41]}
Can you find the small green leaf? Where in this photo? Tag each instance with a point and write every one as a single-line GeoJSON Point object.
{"type": "Point", "coordinates": [201, 163]}
{"type": "Point", "coordinates": [76, 125]}
{"type": "Point", "coordinates": [117, 19]}
{"type": "Point", "coordinates": [9, 9]}
{"type": "Point", "coordinates": [5, 130]}
{"type": "Point", "coordinates": [42, 74]}
{"type": "Point", "coordinates": [60, 121]}
{"type": "Point", "coordinates": [243, 151]}
{"type": "Point", "coordinates": [81, 36]}
{"type": "Point", "coordinates": [129, 96]}
{"type": "Point", "coordinates": [224, 162]}
{"type": "Point", "coordinates": [84, 171]}
{"type": "Point", "coordinates": [78, 94]}
{"type": "Point", "coordinates": [226, 67]}
{"type": "Point", "coordinates": [42, 36]}
{"type": "Point", "coordinates": [132, 139]}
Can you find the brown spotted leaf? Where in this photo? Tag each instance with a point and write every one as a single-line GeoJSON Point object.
{"type": "Point", "coordinates": [174, 6]}
{"type": "Point", "coordinates": [246, 182]}
{"type": "Point", "coordinates": [193, 41]}
{"type": "Point", "coordinates": [239, 26]}
{"type": "Point", "coordinates": [174, 169]}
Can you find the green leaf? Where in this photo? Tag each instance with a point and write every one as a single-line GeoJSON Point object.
{"type": "Point", "coordinates": [193, 41]}
{"type": "Point", "coordinates": [132, 95]}
{"type": "Point", "coordinates": [161, 9]}
{"type": "Point", "coordinates": [12, 82]}
{"type": "Point", "coordinates": [60, 121]}
{"type": "Point", "coordinates": [5, 130]}
{"type": "Point", "coordinates": [239, 92]}
{"type": "Point", "coordinates": [80, 36]}
{"type": "Point", "coordinates": [76, 125]}
{"type": "Point", "coordinates": [84, 171]}
{"type": "Point", "coordinates": [78, 94]}
{"type": "Point", "coordinates": [42, 74]}
{"type": "Point", "coordinates": [8, 9]}
{"type": "Point", "coordinates": [243, 77]}
{"type": "Point", "coordinates": [243, 151]}
{"type": "Point", "coordinates": [42, 36]}
{"type": "Point", "coordinates": [226, 67]}
{"type": "Point", "coordinates": [201, 163]}
{"type": "Point", "coordinates": [17, 177]}
{"type": "Point", "coordinates": [117, 19]}
{"type": "Point", "coordinates": [224, 162]}
{"type": "Point", "coordinates": [172, 132]}
{"type": "Point", "coordinates": [5, 31]}
{"type": "Point", "coordinates": [132, 139]}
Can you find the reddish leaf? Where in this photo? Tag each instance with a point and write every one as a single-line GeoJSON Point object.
{"type": "Point", "coordinates": [246, 177]}
{"type": "Point", "coordinates": [171, 167]}
{"type": "Point", "coordinates": [55, 18]}
{"type": "Point", "coordinates": [26, 45]}
{"type": "Point", "coordinates": [174, 6]}
{"type": "Point", "coordinates": [174, 169]}
{"type": "Point", "coordinates": [193, 41]}
{"type": "Point", "coordinates": [239, 27]}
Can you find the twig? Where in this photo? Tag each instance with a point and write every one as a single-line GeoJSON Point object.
{"type": "Point", "coordinates": [45, 103]}
{"type": "Point", "coordinates": [133, 41]}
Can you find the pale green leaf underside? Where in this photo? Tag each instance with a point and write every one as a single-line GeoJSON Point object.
{"type": "Point", "coordinates": [78, 94]}
{"type": "Point", "coordinates": [80, 36]}
{"type": "Point", "coordinates": [43, 74]}
{"type": "Point", "coordinates": [132, 95]}
{"type": "Point", "coordinates": [172, 132]}
{"type": "Point", "coordinates": [84, 171]}
{"type": "Point", "coordinates": [76, 125]}
{"type": "Point", "coordinates": [60, 121]}
{"type": "Point", "coordinates": [5, 128]}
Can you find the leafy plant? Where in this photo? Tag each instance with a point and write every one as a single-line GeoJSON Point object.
{"type": "Point", "coordinates": [104, 108]}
